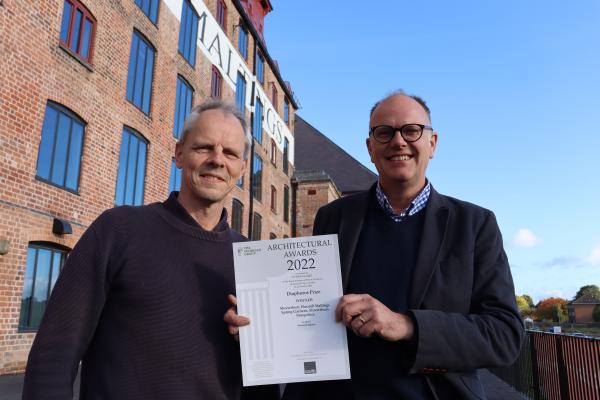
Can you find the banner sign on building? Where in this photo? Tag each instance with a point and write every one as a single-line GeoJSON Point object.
{"type": "Point", "coordinates": [217, 47]}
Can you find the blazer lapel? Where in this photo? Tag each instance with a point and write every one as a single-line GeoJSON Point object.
{"type": "Point", "coordinates": [432, 239]}
{"type": "Point", "coordinates": [349, 232]}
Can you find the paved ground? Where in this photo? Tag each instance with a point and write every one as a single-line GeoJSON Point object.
{"type": "Point", "coordinates": [496, 389]}
{"type": "Point", "coordinates": [12, 385]}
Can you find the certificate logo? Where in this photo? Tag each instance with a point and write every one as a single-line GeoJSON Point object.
{"type": "Point", "coordinates": [310, 367]}
{"type": "Point", "coordinates": [247, 251]}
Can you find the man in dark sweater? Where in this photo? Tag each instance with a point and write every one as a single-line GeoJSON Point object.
{"type": "Point", "coordinates": [430, 296]}
{"type": "Point", "coordinates": [140, 300]}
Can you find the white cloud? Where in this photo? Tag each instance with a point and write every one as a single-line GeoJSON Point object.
{"type": "Point", "coordinates": [525, 238]}
{"type": "Point", "coordinates": [594, 257]}
{"type": "Point", "coordinates": [562, 262]}
{"type": "Point", "coordinates": [561, 276]}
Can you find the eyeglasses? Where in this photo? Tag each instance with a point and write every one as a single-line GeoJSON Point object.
{"type": "Point", "coordinates": [409, 132]}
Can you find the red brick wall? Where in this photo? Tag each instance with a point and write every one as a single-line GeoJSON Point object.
{"type": "Point", "coordinates": [583, 312]}
{"type": "Point", "coordinates": [310, 196]}
{"type": "Point", "coordinates": [35, 69]}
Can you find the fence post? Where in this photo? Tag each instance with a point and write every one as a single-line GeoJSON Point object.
{"type": "Point", "coordinates": [535, 368]}
{"type": "Point", "coordinates": [562, 369]}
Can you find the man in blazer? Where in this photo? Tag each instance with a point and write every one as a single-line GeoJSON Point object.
{"type": "Point", "coordinates": [429, 293]}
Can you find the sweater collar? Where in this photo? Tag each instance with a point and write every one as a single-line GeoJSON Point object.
{"type": "Point", "coordinates": [175, 214]}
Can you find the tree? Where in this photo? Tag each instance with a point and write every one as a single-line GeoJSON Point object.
{"type": "Point", "coordinates": [596, 313]}
{"type": "Point", "coordinates": [529, 300]}
{"type": "Point", "coordinates": [559, 313]}
{"type": "Point", "coordinates": [544, 309]}
{"type": "Point", "coordinates": [592, 290]}
{"type": "Point", "coordinates": [525, 308]}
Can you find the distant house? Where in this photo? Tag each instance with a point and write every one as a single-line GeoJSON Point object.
{"type": "Point", "coordinates": [323, 173]}
{"type": "Point", "coordinates": [581, 309]}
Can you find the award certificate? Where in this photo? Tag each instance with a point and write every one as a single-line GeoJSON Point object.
{"type": "Point", "coordinates": [289, 288]}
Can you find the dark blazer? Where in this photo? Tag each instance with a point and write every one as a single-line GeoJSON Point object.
{"type": "Point", "coordinates": [462, 294]}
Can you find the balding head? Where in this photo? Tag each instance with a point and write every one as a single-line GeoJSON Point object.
{"type": "Point", "coordinates": [401, 92]}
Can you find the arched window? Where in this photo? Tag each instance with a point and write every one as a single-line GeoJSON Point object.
{"type": "Point", "coordinates": [256, 226]}
{"type": "Point", "coordinates": [273, 199]}
{"type": "Point", "coordinates": [44, 262]}
{"type": "Point", "coordinates": [77, 30]}
{"type": "Point", "coordinates": [59, 156]}
{"type": "Point", "coordinates": [141, 72]}
{"type": "Point", "coordinates": [237, 211]}
{"type": "Point", "coordinates": [132, 169]}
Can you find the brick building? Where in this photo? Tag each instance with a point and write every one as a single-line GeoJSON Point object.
{"type": "Point", "coordinates": [324, 172]}
{"type": "Point", "coordinates": [93, 94]}
{"type": "Point", "coordinates": [581, 310]}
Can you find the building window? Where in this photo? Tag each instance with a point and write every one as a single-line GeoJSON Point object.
{"type": "Point", "coordinates": [132, 169]}
{"type": "Point", "coordinates": [272, 236]}
{"type": "Point", "coordinates": [150, 8]}
{"type": "Point", "coordinates": [286, 111]}
{"type": "Point", "coordinates": [59, 156]}
{"type": "Point", "coordinates": [222, 14]}
{"type": "Point", "coordinates": [141, 69]}
{"type": "Point", "coordinates": [257, 121]}
{"type": "Point", "coordinates": [286, 204]}
{"type": "Point", "coordinates": [237, 211]}
{"type": "Point", "coordinates": [257, 179]}
{"type": "Point", "coordinates": [274, 96]}
{"type": "Point", "coordinates": [260, 67]}
{"type": "Point", "coordinates": [215, 83]}
{"type": "Point", "coordinates": [174, 178]}
{"type": "Point", "coordinates": [188, 32]}
{"type": "Point", "coordinates": [77, 30]}
{"type": "Point", "coordinates": [273, 152]}
{"type": "Point", "coordinates": [256, 226]}
{"type": "Point", "coordinates": [243, 41]}
{"type": "Point", "coordinates": [286, 145]}
{"type": "Point", "coordinates": [183, 105]}
{"type": "Point", "coordinates": [240, 92]}
{"type": "Point", "coordinates": [273, 199]}
{"type": "Point", "coordinates": [43, 266]}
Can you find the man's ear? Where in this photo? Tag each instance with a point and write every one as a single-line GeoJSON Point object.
{"type": "Point", "coordinates": [369, 144]}
{"type": "Point", "coordinates": [432, 143]}
{"type": "Point", "coordinates": [179, 155]}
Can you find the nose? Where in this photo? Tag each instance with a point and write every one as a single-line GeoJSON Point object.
{"type": "Point", "coordinates": [217, 158]}
{"type": "Point", "coordinates": [398, 139]}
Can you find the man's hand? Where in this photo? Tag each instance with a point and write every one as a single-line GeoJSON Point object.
{"type": "Point", "coordinates": [233, 320]}
{"type": "Point", "coordinates": [366, 316]}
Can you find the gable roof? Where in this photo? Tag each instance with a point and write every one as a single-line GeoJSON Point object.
{"type": "Point", "coordinates": [316, 152]}
{"type": "Point", "coordinates": [586, 299]}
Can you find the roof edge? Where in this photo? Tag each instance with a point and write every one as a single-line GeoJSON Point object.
{"type": "Point", "coordinates": [268, 57]}
{"type": "Point", "coordinates": [336, 145]}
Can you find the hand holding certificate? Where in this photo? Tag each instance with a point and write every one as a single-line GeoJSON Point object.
{"type": "Point", "coordinates": [289, 289]}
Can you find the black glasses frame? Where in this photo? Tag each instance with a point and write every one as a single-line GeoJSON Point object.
{"type": "Point", "coordinates": [398, 129]}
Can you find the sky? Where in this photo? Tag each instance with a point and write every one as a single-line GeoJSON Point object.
{"type": "Point", "coordinates": [514, 91]}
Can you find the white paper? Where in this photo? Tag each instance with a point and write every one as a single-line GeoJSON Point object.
{"type": "Point", "coordinates": [289, 289]}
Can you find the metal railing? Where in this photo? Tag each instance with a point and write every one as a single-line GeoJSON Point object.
{"type": "Point", "coordinates": [555, 367]}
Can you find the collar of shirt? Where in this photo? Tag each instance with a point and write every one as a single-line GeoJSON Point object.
{"type": "Point", "coordinates": [415, 206]}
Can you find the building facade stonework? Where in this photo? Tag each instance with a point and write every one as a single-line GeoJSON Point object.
{"type": "Point", "coordinates": [90, 93]}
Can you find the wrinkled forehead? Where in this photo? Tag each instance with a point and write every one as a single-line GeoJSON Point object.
{"type": "Point", "coordinates": [399, 110]}
{"type": "Point", "coordinates": [217, 125]}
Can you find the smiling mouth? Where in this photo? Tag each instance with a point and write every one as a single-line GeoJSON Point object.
{"type": "Point", "coordinates": [212, 178]}
{"type": "Point", "coordinates": [403, 157]}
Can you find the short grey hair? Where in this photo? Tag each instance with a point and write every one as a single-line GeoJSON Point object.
{"type": "Point", "coordinates": [400, 92]}
{"type": "Point", "coordinates": [217, 104]}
